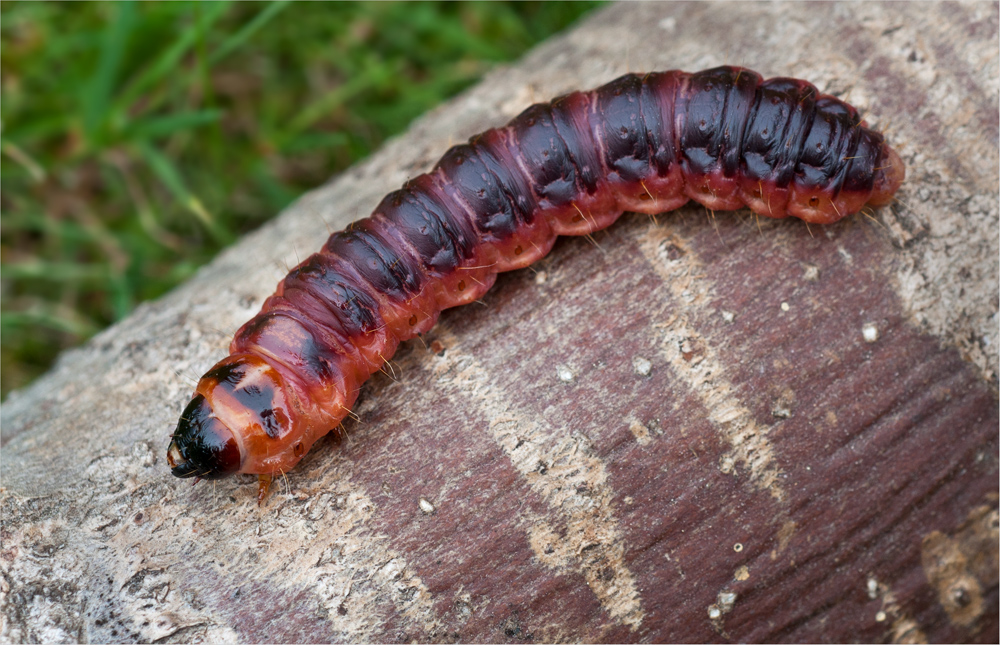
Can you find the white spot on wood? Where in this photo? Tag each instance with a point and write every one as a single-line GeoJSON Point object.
{"type": "Point", "coordinates": [426, 506]}
{"type": "Point", "coordinates": [785, 306]}
{"type": "Point", "coordinates": [723, 605]}
{"type": "Point", "coordinates": [392, 569]}
{"type": "Point", "coordinates": [870, 332]}
{"type": "Point", "coordinates": [781, 409]}
{"type": "Point", "coordinates": [668, 24]}
{"type": "Point", "coordinates": [904, 628]}
{"type": "Point", "coordinates": [811, 273]}
{"type": "Point", "coordinates": [737, 547]}
{"type": "Point", "coordinates": [872, 588]}
{"type": "Point", "coordinates": [642, 366]}
{"type": "Point", "coordinates": [640, 432]}
{"type": "Point", "coordinates": [728, 316]}
{"type": "Point", "coordinates": [565, 374]}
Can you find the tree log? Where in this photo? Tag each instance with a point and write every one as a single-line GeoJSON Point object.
{"type": "Point", "coordinates": [695, 427]}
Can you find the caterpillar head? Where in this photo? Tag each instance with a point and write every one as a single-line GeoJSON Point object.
{"type": "Point", "coordinates": [202, 446]}
{"type": "Point", "coordinates": [238, 421]}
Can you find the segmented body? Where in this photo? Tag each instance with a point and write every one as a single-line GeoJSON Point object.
{"type": "Point", "coordinates": [723, 137]}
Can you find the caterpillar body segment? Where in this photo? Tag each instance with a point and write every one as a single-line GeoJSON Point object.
{"type": "Point", "coordinates": [723, 137]}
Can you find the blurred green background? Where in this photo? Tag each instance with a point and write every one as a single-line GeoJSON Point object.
{"type": "Point", "coordinates": [139, 139]}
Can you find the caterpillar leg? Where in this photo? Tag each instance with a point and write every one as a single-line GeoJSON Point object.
{"type": "Point", "coordinates": [263, 484]}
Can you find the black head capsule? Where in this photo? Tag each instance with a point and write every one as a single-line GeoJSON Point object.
{"type": "Point", "coordinates": [202, 446]}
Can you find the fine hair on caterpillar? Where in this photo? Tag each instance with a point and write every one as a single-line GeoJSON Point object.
{"type": "Point", "coordinates": [725, 138]}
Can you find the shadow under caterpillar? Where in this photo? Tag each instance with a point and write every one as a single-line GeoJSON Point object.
{"type": "Point", "coordinates": [723, 137]}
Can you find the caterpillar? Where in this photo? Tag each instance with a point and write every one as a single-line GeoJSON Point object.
{"type": "Point", "coordinates": [724, 137]}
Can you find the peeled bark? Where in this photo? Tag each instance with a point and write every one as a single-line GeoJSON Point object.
{"type": "Point", "coordinates": [695, 427]}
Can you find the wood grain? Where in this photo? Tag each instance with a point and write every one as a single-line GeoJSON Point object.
{"type": "Point", "coordinates": [675, 431]}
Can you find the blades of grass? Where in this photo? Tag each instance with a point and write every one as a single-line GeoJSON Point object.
{"type": "Point", "coordinates": [165, 170]}
{"type": "Point", "coordinates": [148, 219]}
{"type": "Point", "coordinates": [168, 62]}
{"type": "Point", "coordinates": [37, 128]}
{"type": "Point", "coordinates": [316, 141]}
{"type": "Point", "coordinates": [452, 33]}
{"type": "Point", "coordinates": [277, 194]}
{"type": "Point", "coordinates": [21, 217]}
{"type": "Point", "coordinates": [35, 170]}
{"type": "Point", "coordinates": [371, 77]}
{"type": "Point", "coordinates": [64, 319]}
{"type": "Point", "coordinates": [122, 297]}
{"type": "Point", "coordinates": [156, 127]}
{"type": "Point", "coordinates": [232, 43]}
{"type": "Point", "coordinates": [56, 271]}
{"type": "Point", "coordinates": [97, 93]}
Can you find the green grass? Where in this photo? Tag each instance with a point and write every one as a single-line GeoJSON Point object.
{"type": "Point", "coordinates": [139, 139]}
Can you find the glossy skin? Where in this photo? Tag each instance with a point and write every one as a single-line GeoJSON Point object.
{"type": "Point", "coordinates": [723, 137]}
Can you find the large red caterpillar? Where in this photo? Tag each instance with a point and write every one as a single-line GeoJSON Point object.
{"type": "Point", "coordinates": [723, 137]}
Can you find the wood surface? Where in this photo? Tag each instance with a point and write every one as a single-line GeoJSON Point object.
{"type": "Point", "coordinates": [674, 431]}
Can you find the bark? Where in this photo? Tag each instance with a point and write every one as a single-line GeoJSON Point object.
{"type": "Point", "coordinates": [697, 427]}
